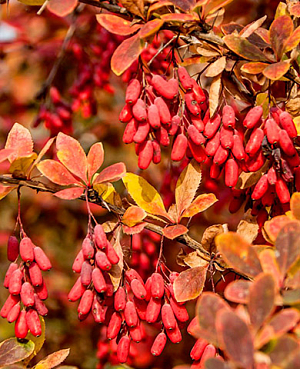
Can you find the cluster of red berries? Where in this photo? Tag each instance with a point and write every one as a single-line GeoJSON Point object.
{"type": "Point", "coordinates": [26, 286]}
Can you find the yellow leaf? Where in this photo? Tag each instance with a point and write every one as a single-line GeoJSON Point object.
{"type": "Point", "coordinates": [144, 194]}
{"type": "Point", "coordinates": [108, 193]}
{"type": "Point", "coordinates": [38, 342]}
{"type": "Point", "coordinates": [20, 166]}
{"type": "Point", "coordinates": [32, 2]}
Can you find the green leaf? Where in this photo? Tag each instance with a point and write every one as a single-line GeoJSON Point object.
{"type": "Point", "coordinates": [280, 30]}
{"type": "Point", "coordinates": [242, 47]}
{"type": "Point", "coordinates": [13, 351]}
{"type": "Point", "coordinates": [20, 166]}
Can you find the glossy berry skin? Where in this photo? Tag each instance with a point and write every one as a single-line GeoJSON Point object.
{"type": "Point", "coordinates": [130, 314]}
{"type": "Point", "coordinates": [157, 286]}
{"type": "Point", "coordinates": [26, 249]}
{"type": "Point", "coordinates": [41, 259]}
{"type": "Point", "coordinates": [123, 349]}
{"type": "Point", "coordinates": [168, 317]}
{"type": "Point", "coordinates": [159, 344]}
{"type": "Point", "coordinates": [21, 327]}
{"type": "Point", "coordinates": [12, 248]}
{"type": "Point", "coordinates": [86, 302]}
{"type": "Point", "coordinates": [33, 322]}
{"type": "Point", "coordinates": [114, 326]}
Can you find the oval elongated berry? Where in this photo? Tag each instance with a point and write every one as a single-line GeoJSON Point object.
{"type": "Point", "coordinates": [12, 267]}
{"type": "Point", "coordinates": [123, 349]}
{"type": "Point", "coordinates": [174, 334]}
{"type": "Point", "coordinates": [114, 326]}
{"type": "Point", "coordinates": [98, 311]}
{"type": "Point", "coordinates": [120, 299]}
{"type": "Point", "coordinates": [10, 302]}
{"type": "Point", "coordinates": [138, 289]}
{"type": "Point", "coordinates": [193, 326]}
{"type": "Point", "coordinates": [286, 143]}
{"type": "Point", "coordinates": [26, 249]}
{"type": "Point", "coordinates": [15, 282]}
{"type": "Point", "coordinates": [41, 259]}
{"type": "Point", "coordinates": [76, 291]}
{"type": "Point", "coordinates": [197, 152]}
{"type": "Point", "coordinates": [76, 267]}
{"type": "Point", "coordinates": [175, 123]}
{"type": "Point", "coordinates": [42, 291]}
{"type": "Point", "coordinates": [131, 274]}
{"type": "Point", "coordinates": [198, 92]}
{"type": "Point", "coordinates": [256, 162]}
{"type": "Point", "coordinates": [272, 131]}
{"type": "Point", "coordinates": [111, 254]}
{"type": "Point", "coordinates": [198, 123]}
{"type": "Point", "coordinates": [198, 349]}
{"type": "Point", "coordinates": [191, 104]}
{"type": "Point", "coordinates": [294, 161]}
{"type": "Point", "coordinates": [287, 123]}
{"type": "Point", "coordinates": [136, 333]}
{"type": "Point", "coordinates": [238, 150]}
{"type": "Point", "coordinates": [130, 131]}
{"type": "Point", "coordinates": [157, 286]}
{"type": "Point", "coordinates": [167, 89]}
{"type": "Point", "coordinates": [153, 310]}
{"type": "Point", "coordinates": [125, 114]}
{"type": "Point", "coordinates": [141, 307]}
{"type": "Point", "coordinates": [179, 147]}
{"type": "Point", "coordinates": [228, 117]}
{"type": "Point", "coordinates": [139, 110]}
{"type": "Point", "coordinates": [209, 351]}
{"type": "Point", "coordinates": [185, 79]}
{"type": "Point", "coordinates": [221, 155]}
{"type": "Point", "coordinates": [196, 136]}
{"type": "Point", "coordinates": [272, 177]}
{"type": "Point", "coordinates": [260, 188]}
{"type": "Point", "coordinates": [282, 191]}
{"type": "Point", "coordinates": [86, 273]}
{"type": "Point", "coordinates": [33, 322]}
{"type": "Point", "coordinates": [226, 137]}
{"type": "Point", "coordinates": [253, 117]}
{"type": "Point", "coordinates": [255, 141]}
{"type": "Point", "coordinates": [27, 294]}
{"type": "Point", "coordinates": [14, 313]}
{"type": "Point", "coordinates": [87, 248]}
{"type": "Point", "coordinates": [153, 116]}
{"type": "Point", "coordinates": [164, 112]}
{"type": "Point", "coordinates": [168, 317]}
{"type": "Point", "coordinates": [39, 306]}
{"type": "Point", "coordinates": [231, 173]}
{"type": "Point", "coordinates": [130, 314]}
{"type": "Point", "coordinates": [213, 145]}
{"type": "Point", "coordinates": [145, 154]}
{"type": "Point", "coordinates": [159, 344]}
{"type": "Point", "coordinates": [86, 302]}
{"type": "Point", "coordinates": [102, 260]}
{"type": "Point", "coordinates": [35, 274]}
{"type": "Point", "coordinates": [100, 237]}
{"type": "Point", "coordinates": [98, 280]}
{"type": "Point", "coordinates": [215, 171]}
{"type": "Point", "coordinates": [179, 311]}
{"type": "Point", "coordinates": [172, 89]}
{"type": "Point", "coordinates": [162, 136]}
{"type": "Point", "coordinates": [21, 328]}
{"type": "Point", "coordinates": [156, 152]}
{"type": "Point", "coordinates": [212, 126]}
{"type": "Point", "coordinates": [12, 248]}
{"type": "Point", "coordinates": [133, 91]}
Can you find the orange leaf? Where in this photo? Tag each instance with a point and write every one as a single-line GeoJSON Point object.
{"type": "Point", "coordinates": [95, 159]}
{"type": "Point", "coordinates": [133, 215]}
{"type": "Point", "coordinates": [111, 174]}
{"type": "Point", "coordinates": [175, 231]}
{"type": "Point", "coordinates": [71, 155]}
{"type": "Point", "coordinates": [56, 172]}
{"type": "Point", "coordinates": [216, 67]}
{"type": "Point", "coordinates": [178, 17]}
{"type": "Point", "coordinates": [184, 5]}
{"type": "Point", "coordinates": [295, 205]}
{"type": "Point", "coordinates": [269, 265]}
{"type": "Point", "coordinates": [5, 154]}
{"type": "Point", "coordinates": [135, 229]}
{"type": "Point", "coordinates": [62, 8]}
{"type": "Point", "coordinates": [213, 5]}
{"type": "Point", "coordinates": [43, 152]}
{"type": "Point", "coordinates": [277, 70]}
{"type": "Point", "coordinates": [69, 193]}
{"type": "Point", "coordinates": [238, 291]}
{"type": "Point", "coordinates": [280, 30]}
{"type": "Point", "coordinates": [189, 284]}
{"type": "Point", "coordinates": [242, 47]}
{"type": "Point", "coordinates": [292, 42]}
{"type": "Point", "coordinates": [5, 190]}
{"type": "Point", "coordinates": [150, 28]}
{"type": "Point", "coordinates": [201, 203]}
{"type": "Point", "coordinates": [125, 54]}
{"type": "Point", "coordinates": [295, 9]}
{"type": "Point", "coordinates": [19, 139]}
{"type": "Point", "coordinates": [273, 226]}
{"type": "Point", "coordinates": [114, 24]}
{"type": "Point", "coordinates": [254, 68]}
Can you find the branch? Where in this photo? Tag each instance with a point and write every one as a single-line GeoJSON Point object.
{"type": "Point", "coordinates": [104, 5]}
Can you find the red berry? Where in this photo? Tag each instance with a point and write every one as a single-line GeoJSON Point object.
{"type": "Point", "coordinates": [76, 267]}
{"type": "Point", "coordinates": [41, 259]}
{"type": "Point", "coordinates": [272, 131]}
{"type": "Point", "coordinates": [238, 150]}
{"type": "Point", "coordinates": [120, 299]}
{"type": "Point", "coordinates": [138, 289]}
{"type": "Point", "coordinates": [228, 117]}
{"type": "Point", "coordinates": [26, 249]}
{"type": "Point", "coordinates": [100, 237]}
{"type": "Point", "coordinates": [102, 260]}
{"type": "Point", "coordinates": [286, 123]}
{"type": "Point", "coordinates": [255, 141]}
{"type": "Point", "coordinates": [179, 147]}
{"type": "Point", "coordinates": [10, 302]}
{"type": "Point", "coordinates": [139, 110]}
{"type": "Point", "coordinates": [125, 114]}
{"type": "Point", "coordinates": [12, 248]}
{"type": "Point", "coordinates": [133, 91]}
{"type": "Point", "coordinates": [145, 154]}
{"type": "Point", "coordinates": [157, 286]}
{"type": "Point", "coordinates": [98, 280]}
{"type": "Point", "coordinates": [35, 274]}
{"type": "Point", "coordinates": [27, 294]}
{"type": "Point", "coordinates": [153, 116]}
{"type": "Point", "coordinates": [260, 188]}
{"type": "Point", "coordinates": [12, 267]}
{"type": "Point", "coordinates": [179, 311]}
{"type": "Point", "coordinates": [130, 314]}
{"type": "Point", "coordinates": [114, 326]}
{"type": "Point", "coordinates": [174, 334]}
{"type": "Point", "coordinates": [86, 273]}
{"type": "Point", "coordinates": [286, 143]}
{"type": "Point", "coordinates": [86, 302]}
{"type": "Point", "coordinates": [15, 282]}
{"type": "Point", "coordinates": [212, 126]}
{"type": "Point", "coordinates": [130, 131]}
{"type": "Point", "coordinates": [153, 310]}
{"type": "Point", "coordinates": [168, 317]}
{"type": "Point", "coordinates": [123, 349]}
{"type": "Point", "coordinates": [87, 248]}
{"type": "Point", "coordinates": [21, 328]}
{"type": "Point", "coordinates": [39, 306]}
{"type": "Point", "coordinates": [33, 322]}
{"type": "Point", "coordinates": [226, 137]}
{"type": "Point", "coordinates": [159, 344]}
{"type": "Point", "coordinates": [282, 191]}
{"type": "Point", "coordinates": [76, 291]}
{"type": "Point", "coordinates": [185, 79]}
{"type": "Point", "coordinates": [231, 173]}
{"type": "Point", "coordinates": [253, 117]}
{"type": "Point", "coordinates": [14, 313]}
{"type": "Point", "coordinates": [164, 112]}
{"type": "Point", "coordinates": [198, 349]}
{"type": "Point", "coordinates": [213, 145]}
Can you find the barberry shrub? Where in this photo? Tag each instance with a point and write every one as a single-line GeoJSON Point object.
{"type": "Point", "coordinates": [209, 261]}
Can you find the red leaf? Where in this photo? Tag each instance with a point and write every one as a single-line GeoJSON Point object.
{"type": "Point", "coordinates": [184, 5]}
{"type": "Point", "coordinates": [19, 139]}
{"type": "Point", "coordinates": [284, 321]}
{"type": "Point", "coordinates": [56, 173]}
{"type": "Point", "coordinates": [111, 174]}
{"type": "Point", "coordinates": [238, 291]}
{"type": "Point", "coordinates": [125, 54]}
{"type": "Point", "coordinates": [280, 30]}
{"type": "Point", "coordinates": [151, 28]}
{"type": "Point", "coordinates": [70, 193]}
{"type": "Point", "coordinates": [178, 17]}
{"type": "Point", "coordinates": [242, 47]}
{"type": "Point", "coordinates": [201, 203]}
{"type": "Point", "coordinates": [175, 231]}
{"type": "Point", "coordinates": [135, 229]}
{"type": "Point", "coordinates": [277, 70]}
{"type": "Point", "coordinates": [292, 42]}
{"type": "Point", "coordinates": [95, 159]}
{"type": "Point", "coordinates": [62, 8]}
{"type": "Point", "coordinates": [214, 5]}
{"type": "Point", "coordinates": [71, 155]}
{"type": "Point", "coordinates": [5, 154]}
{"type": "Point", "coordinates": [114, 24]}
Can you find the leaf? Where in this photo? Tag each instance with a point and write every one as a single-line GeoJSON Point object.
{"type": "Point", "coordinates": [207, 308]}
{"type": "Point", "coordinates": [95, 159]}
{"type": "Point", "coordinates": [242, 47]}
{"type": "Point", "coordinates": [238, 291]}
{"type": "Point", "coordinates": [261, 299]}
{"type": "Point", "coordinates": [192, 260]}
{"type": "Point", "coordinates": [178, 17]}
{"type": "Point", "coordinates": [19, 139]}
{"type": "Point", "coordinates": [214, 5]}
{"type": "Point", "coordinates": [214, 363]}
{"type": "Point", "coordinates": [291, 297]}
{"type": "Point", "coordinates": [293, 41]}
{"type": "Point", "coordinates": [115, 273]}
{"type": "Point", "coordinates": [5, 154]}
{"type": "Point", "coordinates": [133, 215]}
{"type": "Point", "coordinates": [135, 229]}
{"type": "Point", "coordinates": [238, 253]}
{"type": "Point", "coordinates": [281, 10]}
{"type": "Point", "coordinates": [174, 231]}
{"type": "Point", "coordinates": [216, 67]}
{"type": "Point", "coordinates": [214, 95]}
{"type": "Point", "coordinates": [248, 229]}
{"type": "Point", "coordinates": [252, 27]}
{"type": "Point", "coordinates": [19, 167]}
{"type": "Point", "coordinates": [134, 6]}
{"type": "Point", "coordinates": [111, 174]}
{"type": "Point", "coordinates": [184, 5]}
{"type": "Point", "coordinates": [284, 321]}
{"type": "Point", "coordinates": [70, 193]}
{"type": "Point", "coordinates": [201, 203]}
{"type": "Point", "coordinates": [263, 100]}
{"type": "Point", "coordinates": [151, 28]}
{"type": "Point", "coordinates": [43, 152]}
{"type": "Point", "coordinates": [38, 341]}
{"type": "Point", "coordinates": [5, 190]}
{"type": "Point", "coordinates": [144, 194]}
{"type": "Point", "coordinates": [269, 265]}
{"type": "Point", "coordinates": [295, 10]}
{"type": "Point", "coordinates": [187, 185]}
{"type": "Point", "coordinates": [71, 155]}
{"type": "Point", "coordinates": [53, 360]}
{"type": "Point", "coordinates": [285, 349]}
{"type": "Point", "coordinates": [62, 8]}
{"type": "Point", "coordinates": [253, 67]}
{"type": "Point", "coordinates": [114, 24]}
{"type": "Point", "coordinates": [273, 226]}
{"type": "Point", "coordinates": [56, 172]}
{"type": "Point", "coordinates": [108, 193]}
{"type": "Point", "coordinates": [12, 351]}
{"type": "Point", "coordinates": [210, 234]}
{"type": "Point", "coordinates": [277, 70]}
{"type": "Point", "coordinates": [125, 54]}
{"type": "Point", "coordinates": [232, 330]}
{"type": "Point", "coordinates": [287, 246]}
{"type": "Point", "coordinates": [280, 30]}
{"type": "Point", "coordinates": [295, 205]}
{"type": "Point", "coordinates": [32, 2]}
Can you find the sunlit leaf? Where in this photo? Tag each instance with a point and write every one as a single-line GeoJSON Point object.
{"type": "Point", "coordinates": [216, 67]}
{"type": "Point", "coordinates": [242, 47]}
{"type": "Point", "coordinates": [5, 190]}
{"type": "Point", "coordinates": [295, 205]}
{"type": "Point", "coordinates": [56, 172]}
{"type": "Point", "coordinates": [293, 41]}
{"type": "Point", "coordinates": [95, 159]}
{"type": "Point", "coordinates": [280, 30]}
{"type": "Point", "coordinates": [201, 203]}
{"type": "Point", "coordinates": [133, 215]}
{"type": "Point", "coordinates": [253, 67]}
{"type": "Point", "coordinates": [295, 10]}
{"type": "Point", "coordinates": [214, 95]}
{"type": "Point", "coordinates": [5, 154]}
{"type": "Point", "coordinates": [238, 253]}
{"type": "Point", "coordinates": [213, 5]}
{"type": "Point", "coordinates": [62, 8]}
{"type": "Point", "coordinates": [32, 2]}
{"type": "Point", "coordinates": [12, 351]}
{"type": "Point", "coordinates": [178, 17]}
{"type": "Point", "coordinates": [150, 28]}
{"type": "Point", "coordinates": [269, 265]}
{"type": "Point", "coordinates": [252, 27]}
{"type": "Point", "coordinates": [238, 291]}
{"type": "Point", "coordinates": [273, 226]}
{"type": "Point", "coordinates": [46, 147]}
{"type": "Point", "coordinates": [111, 174]}
{"type": "Point", "coordinates": [38, 341]}
{"type": "Point", "coordinates": [189, 284]}
{"type": "Point", "coordinates": [115, 273]}
{"type": "Point", "coordinates": [277, 70]}
{"type": "Point", "coordinates": [134, 6]}
{"type": "Point", "coordinates": [19, 139]}
{"type": "Point", "coordinates": [281, 10]}
{"type": "Point", "coordinates": [108, 193]}
{"type": "Point", "coordinates": [175, 231]}
{"type": "Point", "coordinates": [184, 5]}
{"type": "Point", "coordinates": [135, 229]}
{"type": "Point", "coordinates": [19, 167]}
{"type": "Point", "coordinates": [114, 24]}
{"type": "Point", "coordinates": [53, 360]}
{"type": "Point", "coordinates": [70, 193]}
{"type": "Point", "coordinates": [125, 54]}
